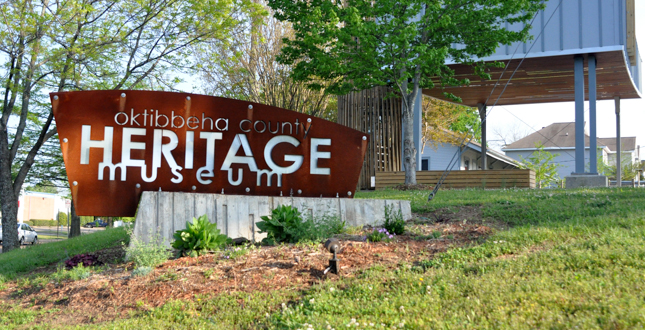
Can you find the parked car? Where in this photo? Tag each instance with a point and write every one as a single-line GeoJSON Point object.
{"type": "Point", "coordinates": [96, 223]}
{"type": "Point", "coordinates": [26, 234]}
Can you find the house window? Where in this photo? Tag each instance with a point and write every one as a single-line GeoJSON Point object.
{"type": "Point", "coordinates": [425, 164]}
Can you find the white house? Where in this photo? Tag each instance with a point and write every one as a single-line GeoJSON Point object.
{"type": "Point", "coordinates": [439, 158]}
{"type": "Point", "coordinates": [559, 139]}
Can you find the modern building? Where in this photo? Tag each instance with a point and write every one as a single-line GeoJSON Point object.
{"type": "Point", "coordinates": [580, 51]}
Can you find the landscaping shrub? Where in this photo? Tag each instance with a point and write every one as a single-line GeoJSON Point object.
{"type": "Point", "coordinates": [42, 223]}
{"type": "Point", "coordinates": [85, 259]}
{"type": "Point", "coordinates": [394, 222]}
{"type": "Point", "coordinates": [146, 254]}
{"type": "Point", "coordinates": [62, 218]}
{"type": "Point", "coordinates": [199, 237]}
{"type": "Point", "coordinates": [77, 273]}
{"type": "Point", "coordinates": [286, 225]}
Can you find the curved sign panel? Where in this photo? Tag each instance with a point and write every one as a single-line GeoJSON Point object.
{"type": "Point", "coordinates": [117, 144]}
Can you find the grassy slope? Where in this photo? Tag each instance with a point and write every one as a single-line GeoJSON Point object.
{"type": "Point", "coordinates": [571, 259]}
{"type": "Point", "coordinates": [32, 257]}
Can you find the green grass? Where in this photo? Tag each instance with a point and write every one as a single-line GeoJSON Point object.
{"type": "Point", "coordinates": [32, 257]}
{"type": "Point", "coordinates": [570, 259]}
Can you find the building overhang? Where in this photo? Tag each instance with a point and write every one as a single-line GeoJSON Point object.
{"type": "Point", "coordinates": [542, 78]}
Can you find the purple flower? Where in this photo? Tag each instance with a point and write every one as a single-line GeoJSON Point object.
{"type": "Point", "coordinates": [391, 236]}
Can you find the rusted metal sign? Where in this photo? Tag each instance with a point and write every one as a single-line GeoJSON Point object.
{"type": "Point", "coordinates": [117, 144]}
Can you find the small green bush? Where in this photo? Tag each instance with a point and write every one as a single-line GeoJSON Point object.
{"type": "Point", "coordinates": [62, 218]}
{"type": "Point", "coordinates": [144, 254]}
{"type": "Point", "coordinates": [394, 222]}
{"type": "Point", "coordinates": [199, 237]}
{"type": "Point", "coordinates": [286, 225]}
{"type": "Point", "coordinates": [282, 225]}
{"type": "Point", "coordinates": [77, 273]}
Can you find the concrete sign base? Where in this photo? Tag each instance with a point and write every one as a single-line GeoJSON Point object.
{"type": "Point", "coordinates": [589, 181]}
{"type": "Point", "coordinates": [162, 213]}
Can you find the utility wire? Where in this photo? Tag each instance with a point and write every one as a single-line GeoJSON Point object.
{"type": "Point", "coordinates": [457, 156]}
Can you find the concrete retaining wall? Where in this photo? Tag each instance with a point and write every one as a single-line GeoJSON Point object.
{"type": "Point", "coordinates": [163, 213]}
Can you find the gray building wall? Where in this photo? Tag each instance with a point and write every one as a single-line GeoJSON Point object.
{"type": "Point", "coordinates": [565, 158]}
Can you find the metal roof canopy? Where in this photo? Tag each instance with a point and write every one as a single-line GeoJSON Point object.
{"type": "Point", "coordinates": [562, 30]}
{"type": "Point", "coordinates": [576, 44]}
{"type": "Point", "coordinates": [541, 80]}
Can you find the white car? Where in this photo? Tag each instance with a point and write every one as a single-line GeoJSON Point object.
{"type": "Point", "coordinates": [26, 234]}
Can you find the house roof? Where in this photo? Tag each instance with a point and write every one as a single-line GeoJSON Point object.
{"type": "Point", "coordinates": [492, 153]}
{"type": "Point", "coordinates": [556, 135]}
{"type": "Point", "coordinates": [627, 143]}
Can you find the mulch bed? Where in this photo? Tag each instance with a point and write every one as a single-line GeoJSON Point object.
{"type": "Point", "coordinates": [115, 292]}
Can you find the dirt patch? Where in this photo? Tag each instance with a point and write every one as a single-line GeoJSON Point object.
{"type": "Point", "coordinates": [463, 214]}
{"type": "Point", "coordinates": [116, 293]}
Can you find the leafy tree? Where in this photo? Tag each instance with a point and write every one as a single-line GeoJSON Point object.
{"type": "Point", "coordinates": [245, 68]}
{"type": "Point", "coordinates": [44, 186]}
{"type": "Point", "coordinates": [88, 44]}
{"type": "Point", "coordinates": [359, 44]}
{"type": "Point", "coordinates": [445, 122]}
{"type": "Point", "coordinates": [541, 162]}
{"type": "Point", "coordinates": [630, 170]}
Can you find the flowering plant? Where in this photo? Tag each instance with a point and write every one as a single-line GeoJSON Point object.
{"type": "Point", "coordinates": [380, 234]}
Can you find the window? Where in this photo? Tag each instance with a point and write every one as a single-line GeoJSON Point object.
{"type": "Point", "coordinates": [425, 164]}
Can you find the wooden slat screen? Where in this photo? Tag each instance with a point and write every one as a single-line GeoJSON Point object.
{"type": "Point", "coordinates": [369, 111]}
{"type": "Point", "coordinates": [491, 179]}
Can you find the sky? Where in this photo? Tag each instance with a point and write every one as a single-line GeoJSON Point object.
{"type": "Point", "coordinates": [530, 118]}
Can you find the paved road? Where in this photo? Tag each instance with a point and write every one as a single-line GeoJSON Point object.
{"type": "Point", "coordinates": [55, 231]}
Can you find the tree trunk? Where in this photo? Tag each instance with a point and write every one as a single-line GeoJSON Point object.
{"type": "Point", "coordinates": [8, 196]}
{"type": "Point", "coordinates": [409, 151]}
{"type": "Point", "coordinates": [9, 216]}
{"type": "Point", "coordinates": [75, 225]}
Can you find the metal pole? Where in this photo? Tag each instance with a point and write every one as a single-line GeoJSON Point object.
{"type": "Point", "coordinates": [619, 169]}
{"type": "Point", "coordinates": [482, 116]}
{"type": "Point", "coordinates": [579, 88]}
{"type": "Point", "coordinates": [593, 148]}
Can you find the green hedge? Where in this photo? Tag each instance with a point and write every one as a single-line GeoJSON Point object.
{"type": "Point", "coordinates": [42, 223]}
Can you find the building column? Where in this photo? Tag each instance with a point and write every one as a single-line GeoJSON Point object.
{"type": "Point", "coordinates": [619, 169]}
{"type": "Point", "coordinates": [417, 131]}
{"type": "Point", "coordinates": [593, 141]}
{"type": "Point", "coordinates": [579, 89]}
{"type": "Point", "coordinates": [482, 116]}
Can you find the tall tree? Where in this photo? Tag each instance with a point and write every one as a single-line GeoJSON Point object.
{"type": "Point", "coordinates": [246, 69]}
{"type": "Point", "coordinates": [359, 44]}
{"type": "Point", "coordinates": [445, 122]}
{"type": "Point", "coordinates": [88, 44]}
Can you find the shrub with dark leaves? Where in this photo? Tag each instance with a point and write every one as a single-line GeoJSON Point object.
{"type": "Point", "coordinates": [86, 260]}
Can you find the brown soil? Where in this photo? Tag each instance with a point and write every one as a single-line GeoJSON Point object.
{"type": "Point", "coordinates": [116, 293]}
